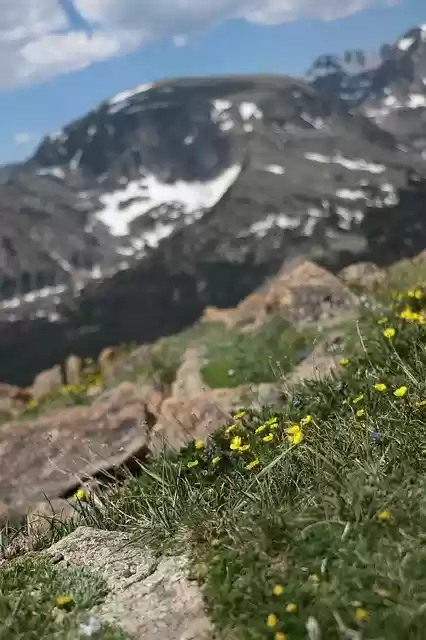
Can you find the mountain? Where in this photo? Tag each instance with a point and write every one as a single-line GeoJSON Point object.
{"type": "Point", "coordinates": [389, 87]}
{"type": "Point", "coordinates": [186, 193]}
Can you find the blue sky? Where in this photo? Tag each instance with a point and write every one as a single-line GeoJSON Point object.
{"type": "Point", "coordinates": [73, 59]}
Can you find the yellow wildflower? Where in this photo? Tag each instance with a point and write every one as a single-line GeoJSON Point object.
{"type": "Point", "coordinates": [306, 420]}
{"type": "Point", "coordinates": [239, 415]}
{"type": "Point", "coordinates": [379, 386]}
{"type": "Point", "coordinates": [344, 362]}
{"type": "Point", "coordinates": [272, 423]}
{"type": "Point", "coordinates": [400, 392]}
{"type": "Point", "coordinates": [261, 428]}
{"type": "Point", "coordinates": [81, 495]}
{"type": "Point", "coordinates": [358, 398]}
{"type": "Point", "coordinates": [199, 444]}
{"type": "Point", "coordinates": [294, 434]}
{"type": "Point", "coordinates": [216, 460]}
{"type": "Point", "coordinates": [229, 429]}
{"type": "Point", "coordinates": [421, 403]}
{"type": "Point", "coordinates": [291, 607]}
{"type": "Point", "coordinates": [389, 332]}
{"type": "Point", "coordinates": [63, 602]}
{"type": "Point", "coordinates": [280, 636]}
{"type": "Point", "coordinates": [268, 438]}
{"type": "Point", "coordinates": [244, 447]}
{"type": "Point", "coordinates": [192, 464]}
{"type": "Point", "coordinates": [235, 443]}
{"type": "Point", "coordinates": [278, 590]}
{"type": "Point", "coordinates": [418, 294]}
{"type": "Point", "coordinates": [384, 516]}
{"type": "Point", "coordinates": [361, 614]}
{"type": "Point", "coordinates": [360, 413]}
{"type": "Point", "coordinates": [271, 621]}
{"type": "Point", "coordinates": [251, 465]}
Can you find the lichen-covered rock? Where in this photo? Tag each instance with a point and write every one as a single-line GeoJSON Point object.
{"type": "Point", "coordinates": [149, 597]}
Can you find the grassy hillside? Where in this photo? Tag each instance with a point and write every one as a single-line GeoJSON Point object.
{"type": "Point", "coordinates": [307, 522]}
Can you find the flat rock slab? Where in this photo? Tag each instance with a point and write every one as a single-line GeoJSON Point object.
{"type": "Point", "coordinates": [49, 456]}
{"type": "Point", "coordinates": [150, 598]}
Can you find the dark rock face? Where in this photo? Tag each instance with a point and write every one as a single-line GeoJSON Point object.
{"type": "Point", "coordinates": [189, 193]}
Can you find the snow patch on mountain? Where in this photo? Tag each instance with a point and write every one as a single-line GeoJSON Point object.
{"type": "Point", "coordinates": [120, 100]}
{"type": "Point", "coordinates": [281, 220]}
{"type": "Point", "coordinates": [348, 163]}
{"type": "Point", "coordinates": [56, 172]}
{"type": "Point", "coordinates": [405, 43]}
{"type": "Point", "coordinates": [123, 206]}
{"type": "Point", "coordinates": [350, 194]}
{"type": "Point", "coordinates": [249, 110]}
{"type": "Point", "coordinates": [275, 168]}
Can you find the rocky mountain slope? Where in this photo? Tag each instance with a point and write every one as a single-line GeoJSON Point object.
{"type": "Point", "coordinates": [187, 193]}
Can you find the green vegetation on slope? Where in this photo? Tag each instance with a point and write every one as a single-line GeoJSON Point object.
{"type": "Point", "coordinates": [257, 356]}
{"type": "Point", "coordinates": [40, 600]}
{"type": "Point", "coordinates": [312, 518]}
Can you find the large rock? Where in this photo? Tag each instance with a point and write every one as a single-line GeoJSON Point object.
{"type": "Point", "coordinates": [364, 274]}
{"type": "Point", "coordinates": [73, 370]}
{"type": "Point", "coordinates": [47, 382]}
{"type": "Point", "coordinates": [49, 456]}
{"type": "Point", "coordinates": [149, 597]}
{"type": "Point", "coordinates": [306, 293]}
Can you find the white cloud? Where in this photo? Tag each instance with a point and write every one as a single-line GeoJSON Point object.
{"type": "Point", "coordinates": [25, 138]}
{"type": "Point", "coordinates": [37, 43]}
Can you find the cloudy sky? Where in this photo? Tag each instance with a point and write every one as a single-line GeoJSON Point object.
{"type": "Point", "coordinates": [59, 58]}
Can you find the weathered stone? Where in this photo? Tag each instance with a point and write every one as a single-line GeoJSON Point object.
{"type": "Point", "coordinates": [364, 274]}
{"type": "Point", "coordinates": [306, 293]}
{"type": "Point", "coordinates": [188, 381]}
{"type": "Point", "coordinates": [149, 597]}
{"type": "Point", "coordinates": [47, 382]}
{"type": "Point", "coordinates": [182, 420]}
{"type": "Point", "coordinates": [49, 456]}
{"type": "Point", "coordinates": [73, 370]}
{"type": "Point", "coordinates": [107, 362]}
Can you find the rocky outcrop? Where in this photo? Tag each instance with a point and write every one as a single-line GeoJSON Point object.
{"type": "Point", "coordinates": [306, 294]}
{"type": "Point", "coordinates": [47, 382]}
{"type": "Point", "coordinates": [150, 597]}
{"type": "Point", "coordinates": [50, 456]}
{"type": "Point", "coordinates": [363, 274]}
{"type": "Point", "coordinates": [73, 370]}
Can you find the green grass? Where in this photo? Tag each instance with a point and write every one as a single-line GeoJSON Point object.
{"type": "Point", "coordinates": [336, 517]}
{"type": "Point", "coordinates": [339, 520]}
{"type": "Point", "coordinates": [29, 610]}
{"type": "Point", "coordinates": [257, 356]}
